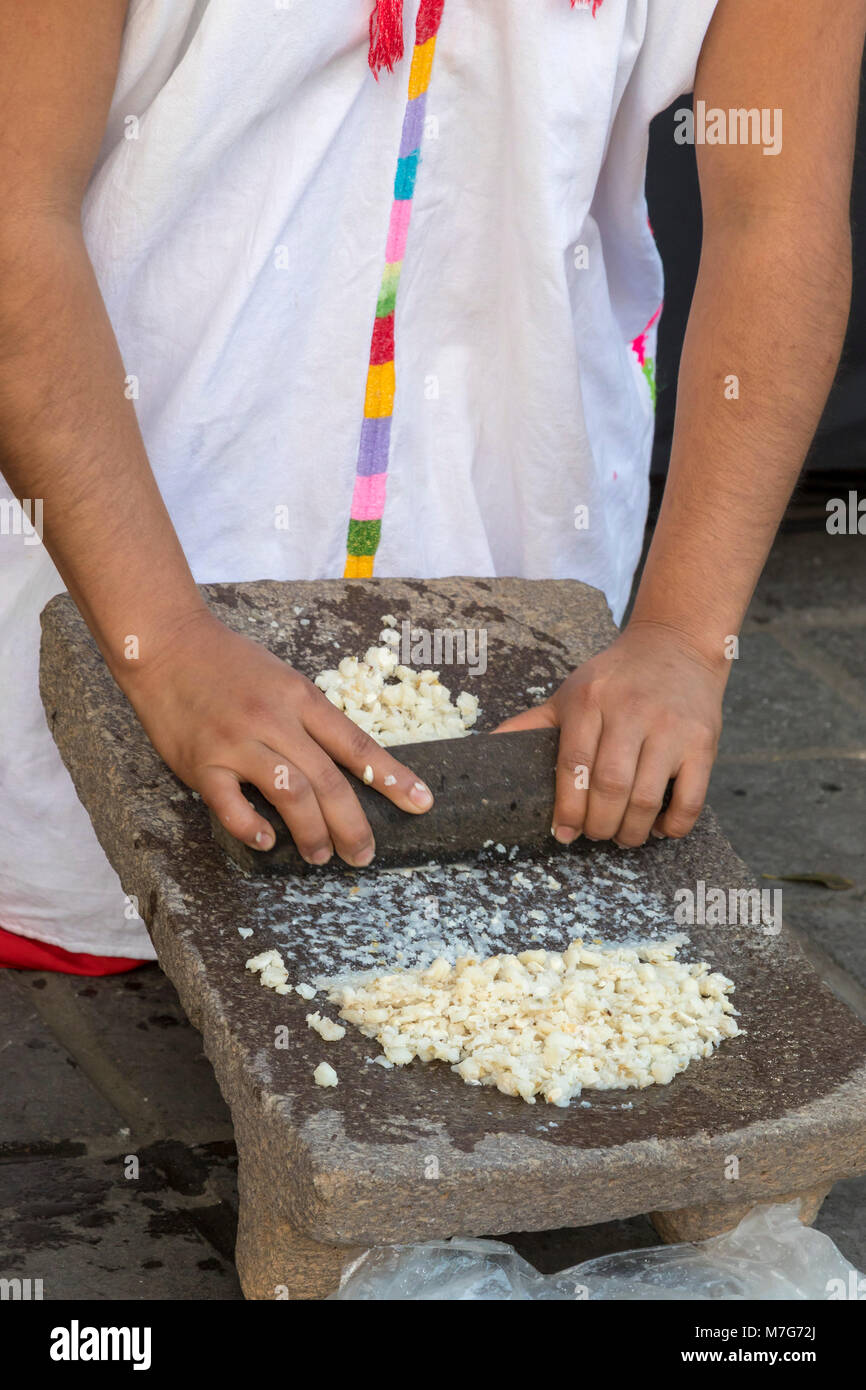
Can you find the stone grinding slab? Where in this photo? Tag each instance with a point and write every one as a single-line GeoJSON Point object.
{"type": "Point", "coordinates": [413, 1153]}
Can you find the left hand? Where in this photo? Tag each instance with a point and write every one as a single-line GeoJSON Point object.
{"type": "Point", "coordinates": [646, 709]}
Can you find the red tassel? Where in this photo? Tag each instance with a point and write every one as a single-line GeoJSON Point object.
{"type": "Point", "coordinates": [386, 35]}
{"type": "Point", "coordinates": [386, 28]}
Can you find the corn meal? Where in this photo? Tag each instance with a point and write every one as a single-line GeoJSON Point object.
{"type": "Point", "coordinates": [548, 1023]}
{"type": "Point", "coordinates": [395, 704]}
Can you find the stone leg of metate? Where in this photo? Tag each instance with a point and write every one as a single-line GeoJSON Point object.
{"type": "Point", "coordinates": [275, 1261]}
{"type": "Point", "coordinates": [699, 1223]}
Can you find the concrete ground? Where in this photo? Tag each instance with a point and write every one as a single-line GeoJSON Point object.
{"type": "Point", "coordinates": [117, 1166]}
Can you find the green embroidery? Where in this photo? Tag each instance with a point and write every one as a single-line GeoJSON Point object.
{"type": "Point", "coordinates": [388, 290]}
{"type": "Point", "coordinates": [363, 537]}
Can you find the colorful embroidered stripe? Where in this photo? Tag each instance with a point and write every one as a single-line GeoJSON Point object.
{"type": "Point", "coordinates": [368, 499]}
{"type": "Point", "coordinates": [645, 363]}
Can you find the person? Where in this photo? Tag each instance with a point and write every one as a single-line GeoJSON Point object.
{"type": "Point", "coordinates": [264, 312]}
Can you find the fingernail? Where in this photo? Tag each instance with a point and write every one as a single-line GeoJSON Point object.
{"type": "Point", "coordinates": [659, 834]}
{"type": "Point", "coordinates": [265, 839]}
{"type": "Point", "coordinates": [364, 858]}
{"type": "Point", "coordinates": [565, 834]}
{"type": "Point", "coordinates": [421, 795]}
{"type": "Point", "coordinates": [321, 856]}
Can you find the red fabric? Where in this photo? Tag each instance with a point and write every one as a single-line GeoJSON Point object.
{"type": "Point", "coordinates": [382, 347]}
{"type": "Point", "coordinates": [23, 953]}
{"type": "Point", "coordinates": [386, 35]}
{"type": "Point", "coordinates": [386, 28]}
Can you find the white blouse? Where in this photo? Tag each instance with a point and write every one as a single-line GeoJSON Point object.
{"type": "Point", "coordinates": [239, 220]}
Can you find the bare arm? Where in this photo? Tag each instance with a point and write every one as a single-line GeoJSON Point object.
{"type": "Point", "coordinates": [770, 307]}
{"type": "Point", "coordinates": [769, 310]}
{"type": "Point", "coordinates": [69, 435]}
{"type": "Point", "coordinates": [220, 709]}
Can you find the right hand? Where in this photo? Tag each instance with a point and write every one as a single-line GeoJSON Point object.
{"type": "Point", "coordinates": [222, 710]}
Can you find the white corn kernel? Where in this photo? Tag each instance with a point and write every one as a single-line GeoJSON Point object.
{"type": "Point", "coordinates": [326, 1028]}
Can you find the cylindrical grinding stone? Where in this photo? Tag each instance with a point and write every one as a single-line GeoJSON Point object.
{"type": "Point", "coordinates": [498, 787]}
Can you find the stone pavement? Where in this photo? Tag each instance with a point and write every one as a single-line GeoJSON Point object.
{"type": "Point", "coordinates": [117, 1170]}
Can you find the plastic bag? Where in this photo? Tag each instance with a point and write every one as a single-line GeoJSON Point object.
{"type": "Point", "coordinates": [770, 1255]}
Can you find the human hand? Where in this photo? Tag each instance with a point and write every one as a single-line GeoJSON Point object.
{"type": "Point", "coordinates": [644, 710]}
{"type": "Point", "coordinates": [222, 710]}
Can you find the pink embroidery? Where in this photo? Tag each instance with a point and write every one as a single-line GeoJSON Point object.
{"type": "Point", "coordinates": [368, 498]}
{"type": "Point", "coordinates": [398, 230]}
{"type": "Point", "coordinates": [639, 343]}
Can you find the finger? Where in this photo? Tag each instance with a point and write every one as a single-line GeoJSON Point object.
{"type": "Point", "coordinates": [687, 800]}
{"type": "Point", "coordinates": [289, 790]}
{"type": "Point", "coordinates": [220, 789]}
{"type": "Point", "coordinates": [578, 744]}
{"type": "Point", "coordinates": [350, 746]}
{"type": "Point", "coordinates": [611, 781]}
{"type": "Point", "coordinates": [539, 717]}
{"type": "Point", "coordinates": [340, 808]}
{"type": "Point", "coordinates": [654, 767]}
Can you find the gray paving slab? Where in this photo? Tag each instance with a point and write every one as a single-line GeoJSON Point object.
{"type": "Point", "coordinates": [773, 705]}
{"type": "Point", "coordinates": [799, 817]}
{"type": "Point", "coordinates": [137, 1019]}
{"type": "Point", "coordinates": [788, 817]}
{"type": "Point", "coordinates": [844, 645]}
{"type": "Point", "coordinates": [90, 1232]}
{"type": "Point", "coordinates": [806, 569]}
{"type": "Point", "coordinates": [835, 921]}
{"type": "Point", "coordinates": [46, 1097]}
{"type": "Point", "coordinates": [144, 1057]}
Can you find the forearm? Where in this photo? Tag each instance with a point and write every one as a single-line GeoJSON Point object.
{"type": "Point", "coordinates": [763, 342]}
{"type": "Point", "coordinates": [69, 437]}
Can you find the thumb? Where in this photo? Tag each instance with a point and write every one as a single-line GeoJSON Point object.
{"type": "Point", "coordinates": [539, 717]}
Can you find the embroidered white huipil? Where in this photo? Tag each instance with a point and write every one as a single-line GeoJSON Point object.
{"type": "Point", "coordinates": [237, 219]}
